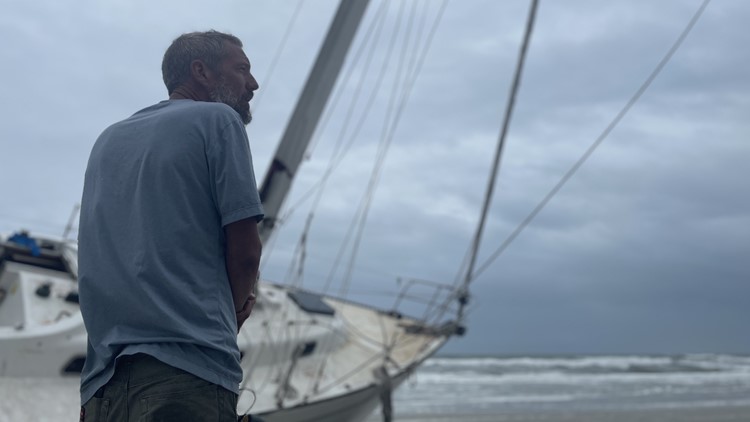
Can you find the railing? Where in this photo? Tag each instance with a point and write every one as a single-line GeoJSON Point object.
{"type": "Point", "coordinates": [436, 298]}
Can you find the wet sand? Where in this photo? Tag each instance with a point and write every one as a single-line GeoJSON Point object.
{"type": "Point", "coordinates": [700, 414]}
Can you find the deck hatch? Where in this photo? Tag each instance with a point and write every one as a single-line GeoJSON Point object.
{"type": "Point", "coordinates": [310, 302]}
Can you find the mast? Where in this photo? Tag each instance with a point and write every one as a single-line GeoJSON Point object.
{"type": "Point", "coordinates": [463, 291]}
{"type": "Point", "coordinates": [304, 119]}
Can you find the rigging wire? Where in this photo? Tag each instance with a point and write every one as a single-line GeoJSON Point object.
{"type": "Point", "coordinates": [375, 28]}
{"type": "Point", "coordinates": [347, 238]}
{"type": "Point", "coordinates": [397, 118]}
{"type": "Point", "coordinates": [408, 84]}
{"type": "Point", "coordinates": [336, 156]}
{"type": "Point", "coordinates": [414, 71]}
{"type": "Point", "coordinates": [414, 67]}
{"type": "Point", "coordinates": [382, 151]}
{"type": "Point", "coordinates": [408, 81]}
{"type": "Point", "coordinates": [499, 151]}
{"type": "Point", "coordinates": [377, 24]}
{"type": "Point", "coordinates": [289, 210]}
{"type": "Point", "coordinates": [646, 84]}
{"type": "Point", "coordinates": [365, 363]}
{"type": "Point", "coordinates": [275, 60]}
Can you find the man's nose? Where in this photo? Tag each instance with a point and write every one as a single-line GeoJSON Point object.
{"type": "Point", "coordinates": [252, 84]}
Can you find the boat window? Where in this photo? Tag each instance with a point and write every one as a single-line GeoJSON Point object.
{"type": "Point", "coordinates": [308, 348]}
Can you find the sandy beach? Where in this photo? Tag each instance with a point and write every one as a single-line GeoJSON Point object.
{"type": "Point", "coordinates": [701, 414]}
{"type": "Point", "coordinates": [700, 388]}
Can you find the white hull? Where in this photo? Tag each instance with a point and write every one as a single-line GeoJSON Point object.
{"type": "Point", "coordinates": [306, 357]}
{"type": "Point", "coordinates": [354, 406]}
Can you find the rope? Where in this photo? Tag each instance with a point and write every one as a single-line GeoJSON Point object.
{"type": "Point", "coordinates": [596, 143]}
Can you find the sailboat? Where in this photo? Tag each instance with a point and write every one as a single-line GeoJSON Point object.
{"type": "Point", "coordinates": [306, 356]}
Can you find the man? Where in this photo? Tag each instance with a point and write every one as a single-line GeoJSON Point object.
{"type": "Point", "coordinates": [169, 246]}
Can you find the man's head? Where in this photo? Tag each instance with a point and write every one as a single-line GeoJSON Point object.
{"type": "Point", "coordinates": [210, 66]}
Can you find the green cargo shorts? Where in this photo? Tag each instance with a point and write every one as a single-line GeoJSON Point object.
{"type": "Point", "coordinates": [144, 389]}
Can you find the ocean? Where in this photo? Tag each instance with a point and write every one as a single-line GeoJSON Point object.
{"type": "Point", "coordinates": [694, 388]}
{"type": "Point", "coordinates": [705, 387]}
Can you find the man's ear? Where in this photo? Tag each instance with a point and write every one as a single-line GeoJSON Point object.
{"type": "Point", "coordinates": [200, 73]}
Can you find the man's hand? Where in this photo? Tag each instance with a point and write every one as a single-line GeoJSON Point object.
{"type": "Point", "coordinates": [243, 250]}
{"type": "Point", "coordinates": [244, 313]}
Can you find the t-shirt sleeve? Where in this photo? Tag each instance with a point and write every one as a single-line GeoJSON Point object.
{"type": "Point", "coordinates": [231, 168]}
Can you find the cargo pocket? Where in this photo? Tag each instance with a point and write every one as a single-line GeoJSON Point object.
{"type": "Point", "coordinates": [189, 404]}
{"type": "Point", "coordinates": [95, 410]}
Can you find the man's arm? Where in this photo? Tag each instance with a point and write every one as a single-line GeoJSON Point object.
{"type": "Point", "coordinates": [243, 250]}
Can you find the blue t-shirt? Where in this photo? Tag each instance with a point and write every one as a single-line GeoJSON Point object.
{"type": "Point", "coordinates": [159, 188]}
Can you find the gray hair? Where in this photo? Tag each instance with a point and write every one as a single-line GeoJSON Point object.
{"type": "Point", "coordinates": [205, 46]}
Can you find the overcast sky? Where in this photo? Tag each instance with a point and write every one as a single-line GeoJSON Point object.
{"type": "Point", "coordinates": [645, 250]}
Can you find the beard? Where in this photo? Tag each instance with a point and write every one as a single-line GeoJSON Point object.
{"type": "Point", "coordinates": [224, 94]}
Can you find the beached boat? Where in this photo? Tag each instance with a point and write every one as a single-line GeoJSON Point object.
{"type": "Point", "coordinates": [305, 356]}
